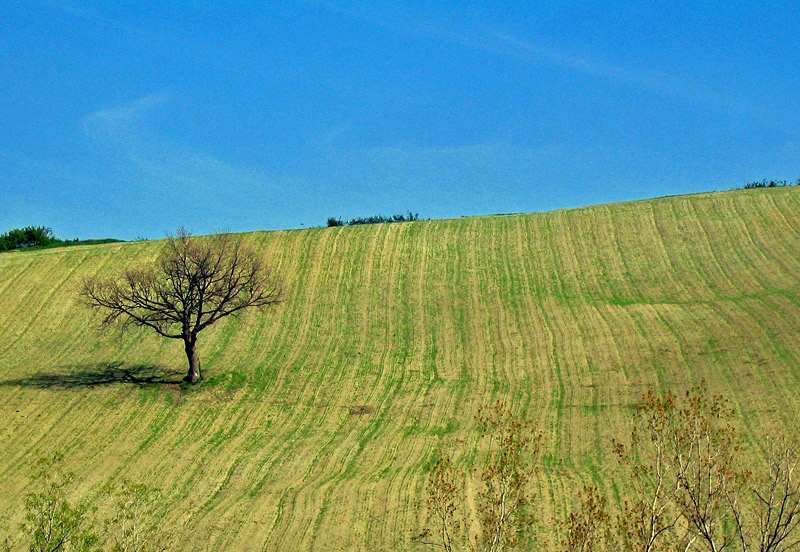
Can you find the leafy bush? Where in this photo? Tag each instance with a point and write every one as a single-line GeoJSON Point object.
{"type": "Point", "coordinates": [55, 523]}
{"type": "Point", "coordinates": [26, 237]}
{"type": "Point", "coordinates": [52, 521]}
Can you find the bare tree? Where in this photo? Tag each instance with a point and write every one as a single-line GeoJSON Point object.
{"type": "Point", "coordinates": [134, 525]}
{"type": "Point", "coordinates": [589, 527]}
{"type": "Point", "coordinates": [443, 496]}
{"type": "Point", "coordinates": [688, 487]}
{"type": "Point", "coordinates": [194, 283]}
{"type": "Point", "coordinates": [502, 505]}
{"type": "Point", "coordinates": [685, 479]}
{"type": "Point", "coordinates": [777, 494]}
{"type": "Point", "coordinates": [504, 500]}
{"type": "Point", "coordinates": [650, 520]}
{"type": "Point", "coordinates": [706, 447]}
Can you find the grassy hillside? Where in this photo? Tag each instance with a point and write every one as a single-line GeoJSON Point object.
{"type": "Point", "coordinates": [320, 419]}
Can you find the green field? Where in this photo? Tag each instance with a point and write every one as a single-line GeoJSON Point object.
{"type": "Point", "coordinates": [319, 419]}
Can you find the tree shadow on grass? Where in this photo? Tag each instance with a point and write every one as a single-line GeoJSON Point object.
{"type": "Point", "coordinates": [95, 375]}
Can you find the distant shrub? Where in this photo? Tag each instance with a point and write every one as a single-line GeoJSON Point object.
{"type": "Point", "coordinates": [40, 237]}
{"type": "Point", "coordinates": [26, 237]}
{"type": "Point", "coordinates": [768, 184]}
{"type": "Point", "coordinates": [84, 242]}
{"type": "Point", "coordinates": [375, 219]}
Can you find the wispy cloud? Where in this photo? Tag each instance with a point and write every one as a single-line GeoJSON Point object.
{"type": "Point", "coordinates": [122, 119]}
{"type": "Point", "coordinates": [503, 43]}
{"type": "Point", "coordinates": [148, 163]}
{"type": "Point", "coordinates": [526, 51]}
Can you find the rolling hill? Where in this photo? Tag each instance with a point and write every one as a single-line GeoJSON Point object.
{"type": "Point", "coordinates": [319, 419]}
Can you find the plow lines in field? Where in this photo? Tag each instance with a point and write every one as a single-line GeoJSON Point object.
{"type": "Point", "coordinates": [320, 418]}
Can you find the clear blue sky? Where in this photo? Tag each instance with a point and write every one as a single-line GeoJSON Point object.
{"type": "Point", "coordinates": [129, 119]}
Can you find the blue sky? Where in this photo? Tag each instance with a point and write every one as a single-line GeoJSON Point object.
{"type": "Point", "coordinates": [129, 119]}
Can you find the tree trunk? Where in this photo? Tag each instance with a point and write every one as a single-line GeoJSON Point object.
{"type": "Point", "coordinates": [190, 344]}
